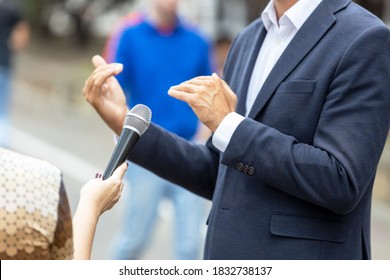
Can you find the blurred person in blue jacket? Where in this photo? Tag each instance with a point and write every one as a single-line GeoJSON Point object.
{"type": "Point", "coordinates": [159, 50]}
{"type": "Point", "coordinates": [14, 36]}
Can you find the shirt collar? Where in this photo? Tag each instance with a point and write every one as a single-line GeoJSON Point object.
{"type": "Point", "coordinates": [297, 14]}
{"type": "Point", "coordinates": [269, 15]}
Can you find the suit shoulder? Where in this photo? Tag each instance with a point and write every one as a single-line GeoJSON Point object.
{"type": "Point", "coordinates": [357, 19]}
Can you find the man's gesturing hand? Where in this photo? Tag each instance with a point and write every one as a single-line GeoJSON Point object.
{"type": "Point", "coordinates": [209, 97]}
{"type": "Point", "coordinates": [104, 93]}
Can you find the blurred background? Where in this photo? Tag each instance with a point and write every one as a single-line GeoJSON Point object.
{"type": "Point", "coordinates": [51, 120]}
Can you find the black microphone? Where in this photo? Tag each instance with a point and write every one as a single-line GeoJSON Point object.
{"type": "Point", "coordinates": [137, 121]}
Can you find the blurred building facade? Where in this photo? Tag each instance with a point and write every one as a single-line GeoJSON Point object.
{"type": "Point", "coordinates": [95, 18]}
{"type": "Point", "coordinates": [231, 16]}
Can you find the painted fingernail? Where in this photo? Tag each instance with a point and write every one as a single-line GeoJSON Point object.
{"type": "Point", "coordinates": [97, 175]}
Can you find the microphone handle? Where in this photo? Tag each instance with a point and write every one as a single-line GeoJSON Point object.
{"type": "Point", "coordinates": [126, 142]}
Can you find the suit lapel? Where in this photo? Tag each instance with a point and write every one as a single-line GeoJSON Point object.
{"type": "Point", "coordinates": [303, 42]}
{"type": "Point", "coordinates": [250, 64]}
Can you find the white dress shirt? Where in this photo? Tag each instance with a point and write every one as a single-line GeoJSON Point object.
{"type": "Point", "coordinates": [279, 35]}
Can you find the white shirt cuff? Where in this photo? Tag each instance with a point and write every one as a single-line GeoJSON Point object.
{"type": "Point", "coordinates": [225, 130]}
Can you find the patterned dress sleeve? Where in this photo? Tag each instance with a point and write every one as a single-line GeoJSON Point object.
{"type": "Point", "coordinates": [62, 247]}
{"type": "Point", "coordinates": [35, 219]}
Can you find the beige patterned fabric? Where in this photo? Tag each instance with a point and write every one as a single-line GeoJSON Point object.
{"type": "Point", "coordinates": [35, 218]}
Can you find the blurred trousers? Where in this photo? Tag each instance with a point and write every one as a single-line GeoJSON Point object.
{"type": "Point", "coordinates": [142, 197]}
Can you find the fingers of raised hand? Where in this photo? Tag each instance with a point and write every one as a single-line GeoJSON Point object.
{"type": "Point", "coordinates": [98, 80]}
{"type": "Point", "coordinates": [232, 95]}
{"type": "Point", "coordinates": [184, 92]}
{"type": "Point", "coordinates": [97, 60]}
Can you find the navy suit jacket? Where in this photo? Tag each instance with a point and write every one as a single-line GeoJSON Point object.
{"type": "Point", "coordinates": [295, 181]}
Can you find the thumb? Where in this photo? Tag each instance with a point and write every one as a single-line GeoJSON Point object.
{"type": "Point", "coordinates": [97, 60]}
{"type": "Point", "coordinates": [120, 171]}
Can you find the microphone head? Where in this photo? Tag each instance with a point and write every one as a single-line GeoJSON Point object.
{"type": "Point", "coordinates": [138, 118]}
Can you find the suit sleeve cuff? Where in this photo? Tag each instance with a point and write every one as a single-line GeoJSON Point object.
{"type": "Point", "coordinates": [225, 130]}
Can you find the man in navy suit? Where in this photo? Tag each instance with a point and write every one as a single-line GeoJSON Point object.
{"type": "Point", "coordinates": [298, 130]}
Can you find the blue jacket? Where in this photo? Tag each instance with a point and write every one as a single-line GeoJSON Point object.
{"type": "Point", "coordinates": [153, 62]}
{"type": "Point", "coordinates": [296, 179]}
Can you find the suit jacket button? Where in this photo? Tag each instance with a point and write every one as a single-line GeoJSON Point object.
{"type": "Point", "coordinates": [246, 169]}
{"type": "Point", "coordinates": [240, 166]}
{"type": "Point", "coordinates": [251, 171]}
